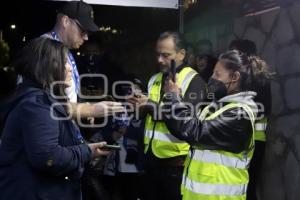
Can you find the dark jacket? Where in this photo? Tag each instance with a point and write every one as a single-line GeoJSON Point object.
{"type": "Point", "coordinates": [230, 131]}
{"type": "Point", "coordinates": [40, 157]}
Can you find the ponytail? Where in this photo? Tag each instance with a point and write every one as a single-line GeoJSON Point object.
{"type": "Point", "coordinates": [254, 71]}
{"type": "Point", "coordinates": [261, 72]}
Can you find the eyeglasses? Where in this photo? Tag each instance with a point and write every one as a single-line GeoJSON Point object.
{"type": "Point", "coordinates": [81, 29]}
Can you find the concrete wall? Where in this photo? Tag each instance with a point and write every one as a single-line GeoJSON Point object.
{"type": "Point", "coordinates": [277, 36]}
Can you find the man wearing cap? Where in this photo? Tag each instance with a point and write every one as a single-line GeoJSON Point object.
{"type": "Point", "coordinates": [73, 22]}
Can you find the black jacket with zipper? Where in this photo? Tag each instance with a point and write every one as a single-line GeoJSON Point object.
{"type": "Point", "coordinates": [229, 132]}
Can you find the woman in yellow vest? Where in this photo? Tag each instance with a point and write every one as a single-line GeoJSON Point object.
{"type": "Point", "coordinates": [222, 135]}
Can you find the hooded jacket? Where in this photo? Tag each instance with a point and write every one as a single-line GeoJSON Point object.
{"type": "Point", "coordinates": [230, 131]}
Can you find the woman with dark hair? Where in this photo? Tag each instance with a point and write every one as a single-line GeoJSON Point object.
{"type": "Point", "coordinates": [221, 136]}
{"type": "Point", "coordinates": [42, 155]}
{"type": "Point", "coordinates": [248, 47]}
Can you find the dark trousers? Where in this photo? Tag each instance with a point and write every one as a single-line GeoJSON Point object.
{"type": "Point", "coordinates": [124, 186]}
{"type": "Point", "coordinates": [163, 183]}
{"type": "Point", "coordinates": [255, 170]}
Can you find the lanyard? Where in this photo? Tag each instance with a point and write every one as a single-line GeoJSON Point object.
{"type": "Point", "coordinates": [76, 132]}
{"type": "Point", "coordinates": [71, 61]}
{"type": "Point", "coordinates": [74, 71]}
{"type": "Point", "coordinates": [79, 136]}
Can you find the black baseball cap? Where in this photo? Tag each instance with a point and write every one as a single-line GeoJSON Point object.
{"type": "Point", "coordinates": [82, 12]}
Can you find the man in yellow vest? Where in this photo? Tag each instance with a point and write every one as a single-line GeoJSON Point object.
{"type": "Point", "coordinates": [165, 154]}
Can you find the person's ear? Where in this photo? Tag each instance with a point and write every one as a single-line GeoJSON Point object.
{"type": "Point", "coordinates": [65, 21]}
{"type": "Point", "coordinates": [181, 54]}
{"type": "Point", "coordinates": [236, 76]}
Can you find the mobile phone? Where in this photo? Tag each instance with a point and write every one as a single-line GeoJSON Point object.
{"type": "Point", "coordinates": [173, 70]}
{"type": "Point", "coordinates": [111, 147]}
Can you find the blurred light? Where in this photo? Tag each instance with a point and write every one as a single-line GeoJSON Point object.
{"type": "Point", "coordinates": [107, 29]}
{"type": "Point", "coordinates": [78, 53]}
{"type": "Point", "coordinates": [102, 28]}
{"type": "Point", "coordinates": [189, 3]}
{"type": "Point", "coordinates": [13, 26]}
{"type": "Point", "coordinates": [24, 39]}
{"type": "Point", "coordinates": [114, 31]}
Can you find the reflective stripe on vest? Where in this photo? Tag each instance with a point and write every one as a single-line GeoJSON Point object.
{"type": "Point", "coordinates": [152, 79]}
{"type": "Point", "coordinates": [163, 136]}
{"type": "Point", "coordinates": [216, 189]}
{"type": "Point", "coordinates": [217, 174]}
{"type": "Point", "coordinates": [186, 81]}
{"type": "Point", "coordinates": [163, 144]}
{"type": "Point", "coordinates": [260, 130]}
{"type": "Point", "coordinates": [220, 159]}
{"type": "Point", "coordinates": [260, 126]}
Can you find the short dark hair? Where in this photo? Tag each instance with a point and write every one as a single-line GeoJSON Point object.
{"type": "Point", "coordinates": [248, 47]}
{"type": "Point", "coordinates": [177, 38]}
{"type": "Point", "coordinates": [42, 61]}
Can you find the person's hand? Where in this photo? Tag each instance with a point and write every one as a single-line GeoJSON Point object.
{"type": "Point", "coordinates": [170, 86]}
{"type": "Point", "coordinates": [107, 108]}
{"type": "Point", "coordinates": [138, 100]}
{"type": "Point", "coordinates": [97, 150]}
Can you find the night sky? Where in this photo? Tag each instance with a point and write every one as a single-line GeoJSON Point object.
{"type": "Point", "coordinates": [33, 18]}
{"type": "Point", "coordinates": [133, 45]}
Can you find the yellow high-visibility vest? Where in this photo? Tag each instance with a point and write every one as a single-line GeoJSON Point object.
{"type": "Point", "coordinates": [217, 174]}
{"type": "Point", "coordinates": [163, 144]}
